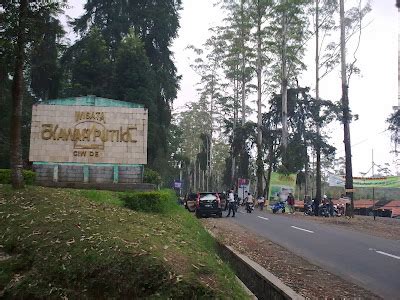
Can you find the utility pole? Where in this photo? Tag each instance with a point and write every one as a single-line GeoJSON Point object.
{"type": "Point", "coordinates": [373, 189]}
{"type": "Point", "coordinates": [346, 112]}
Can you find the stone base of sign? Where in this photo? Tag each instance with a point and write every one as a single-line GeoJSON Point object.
{"type": "Point", "coordinates": [95, 175]}
{"type": "Point", "coordinates": [121, 187]}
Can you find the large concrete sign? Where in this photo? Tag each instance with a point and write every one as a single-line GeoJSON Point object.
{"type": "Point", "coordinates": [88, 142]}
{"type": "Point", "coordinates": [87, 134]}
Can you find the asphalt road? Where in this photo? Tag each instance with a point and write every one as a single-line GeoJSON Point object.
{"type": "Point", "coordinates": [368, 261]}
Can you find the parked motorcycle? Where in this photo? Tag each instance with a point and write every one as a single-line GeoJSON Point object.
{"type": "Point", "coordinates": [309, 209]}
{"type": "Point", "coordinates": [278, 206]}
{"type": "Point", "coordinates": [324, 210]}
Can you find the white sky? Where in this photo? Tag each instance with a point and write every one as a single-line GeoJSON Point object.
{"type": "Point", "coordinates": [371, 96]}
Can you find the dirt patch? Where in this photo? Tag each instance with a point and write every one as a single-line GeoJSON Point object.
{"type": "Point", "coordinates": [179, 263]}
{"type": "Point", "coordinates": [303, 277]}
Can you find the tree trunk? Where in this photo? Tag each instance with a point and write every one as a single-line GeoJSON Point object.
{"type": "Point", "coordinates": [306, 174]}
{"type": "Point", "coordinates": [243, 65]}
{"type": "Point", "coordinates": [189, 176]}
{"type": "Point", "coordinates": [17, 98]}
{"type": "Point", "coordinates": [318, 145]}
{"type": "Point", "coordinates": [260, 164]}
{"type": "Point", "coordinates": [235, 118]}
{"type": "Point", "coordinates": [284, 83]}
{"type": "Point", "coordinates": [199, 173]}
{"type": "Point", "coordinates": [270, 160]}
{"type": "Point", "coordinates": [194, 178]}
{"type": "Point", "coordinates": [203, 181]}
{"type": "Point", "coordinates": [346, 112]}
{"type": "Point", "coordinates": [210, 144]}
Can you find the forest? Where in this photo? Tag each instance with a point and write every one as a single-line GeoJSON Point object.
{"type": "Point", "coordinates": [253, 115]}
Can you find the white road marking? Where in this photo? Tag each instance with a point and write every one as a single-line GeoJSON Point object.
{"type": "Point", "coordinates": [302, 229]}
{"type": "Point", "coordinates": [388, 254]}
{"type": "Point", "coordinates": [263, 218]}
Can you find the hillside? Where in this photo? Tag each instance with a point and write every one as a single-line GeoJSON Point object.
{"type": "Point", "coordinates": [85, 244]}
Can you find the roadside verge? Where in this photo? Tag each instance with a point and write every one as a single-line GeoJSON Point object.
{"type": "Point", "coordinates": [263, 284]}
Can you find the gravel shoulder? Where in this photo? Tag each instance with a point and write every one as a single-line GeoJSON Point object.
{"type": "Point", "coordinates": [302, 276]}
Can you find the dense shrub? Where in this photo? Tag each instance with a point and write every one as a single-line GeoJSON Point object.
{"type": "Point", "coordinates": [151, 176]}
{"type": "Point", "coordinates": [159, 202]}
{"type": "Point", "coordinates": [5, 176]}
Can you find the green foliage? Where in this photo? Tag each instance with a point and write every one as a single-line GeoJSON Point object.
{"type": "Point", "coordinates": [5, 176]}
{"type": "Point", "coordinates": [41, 45]}
{"type": "Point", "coordinates": [87, 67]}
{"type": "Point", "coordinates": [294, 14]}
{"type": "Point", "coordinates": [29, 176]}
{"type": "Point", "coordinates": [303, 115]}
{"type": "Point", "coordinates": [151, 176]}
{"type": "Point", "coordinates": [394, 128]}
{"type": "Point", "coordinates": [163, 201]}
{"type": "Point", "coordinates": [138, 38]}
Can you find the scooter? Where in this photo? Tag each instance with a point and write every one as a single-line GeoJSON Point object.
{"type": "Point", "coordinates": [249, 207]}
{"type": "Point", "coordinates": [308, 209]}
{"type": "Point", "coordinates": [324, 210]}
{"type": "Point", "coordinates": [278, 206]}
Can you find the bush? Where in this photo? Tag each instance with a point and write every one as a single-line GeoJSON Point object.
{"type": "Point", "coordinates": [157, 202]}
{"type": "Point", "coordinates": [29, 176]}
{"type": "Point", "coordinates": [5, 176]}
{"type": "Point", "coordinates": [151, 176]}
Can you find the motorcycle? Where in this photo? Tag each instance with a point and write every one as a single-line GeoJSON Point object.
{"type": "Point", "coordinates": [278, 206]}
{"type": "Point", "coordinates": [308, 209]}
{"type": "Point", "coordinates": [249, 207]}
{"type": "Point", "coordinates": [324, 210]}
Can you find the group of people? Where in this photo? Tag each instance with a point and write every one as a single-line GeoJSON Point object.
{"type": "Point", "coordinates": [325, 207]}
{"type": "Point", "coordinates": [233, 202]}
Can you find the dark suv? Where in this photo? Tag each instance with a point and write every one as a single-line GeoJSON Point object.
{"type": "Point", "coordinates": [208, 203]}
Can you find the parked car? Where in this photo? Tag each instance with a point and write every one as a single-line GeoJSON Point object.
{"type": "Point", "coordinates": [208, 203]}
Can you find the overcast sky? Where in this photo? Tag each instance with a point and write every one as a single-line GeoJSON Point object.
{"type": "Point", "coordinates": [372, 95]}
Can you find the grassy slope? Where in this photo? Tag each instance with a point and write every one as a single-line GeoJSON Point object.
{"type": "Point", "coordinates": [84, 244]}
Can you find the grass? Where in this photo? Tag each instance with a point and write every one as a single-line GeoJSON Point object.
{"type": "Point", "coordinates": [84, 244]}
{"type": "Point", "coordinates": [100, 196]}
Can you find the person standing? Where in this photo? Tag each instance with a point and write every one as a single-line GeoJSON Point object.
{"type": "Point", "coordinates": [260, 202]}
{"type": "Point", "coordinates": [231, 199]}
{"type": "Point", "coordinates": [290, 202]}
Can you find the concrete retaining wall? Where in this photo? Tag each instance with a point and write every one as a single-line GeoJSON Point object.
{"type": "Point", "coordinates": [69, 173]}
{"type": "Point", "coordinates": [129, 174]}
{"type": "Point", "coordinates": [101, 174]}
{"type": "Point", "coordinates": [258, 280]}
{"type": "Point", "coordinates": [102, 186]}
{"type": "Point", "coordinates": [48, 174]}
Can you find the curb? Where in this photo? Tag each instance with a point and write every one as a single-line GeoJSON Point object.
{"type": "Point", "coordinates": [262, 283]}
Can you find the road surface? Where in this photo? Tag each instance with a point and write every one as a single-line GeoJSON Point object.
{"type": "Point", "coordinates": [368, 261]}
